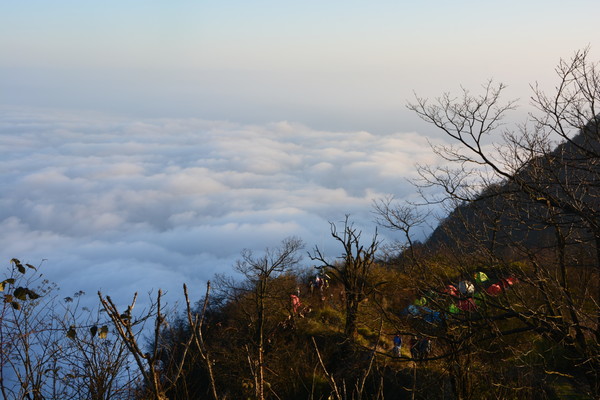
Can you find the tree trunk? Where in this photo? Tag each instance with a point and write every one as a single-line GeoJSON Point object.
{"type": "Point", "coordinates": [350, 328]}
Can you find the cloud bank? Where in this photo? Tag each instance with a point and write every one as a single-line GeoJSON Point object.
{"type": "Point", "coordinates": [135, 205]}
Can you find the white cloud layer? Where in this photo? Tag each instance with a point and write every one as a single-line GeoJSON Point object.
{"type": "Point", "coordinates": [126, 206]}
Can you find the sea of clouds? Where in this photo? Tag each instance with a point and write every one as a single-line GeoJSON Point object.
{"type": "Point", "coordinates": [123, 205]}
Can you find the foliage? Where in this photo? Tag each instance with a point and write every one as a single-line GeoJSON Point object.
{"type": "Point", "coordinates": [56, 348]}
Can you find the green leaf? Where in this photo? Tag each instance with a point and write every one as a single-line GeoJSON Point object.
{"type": "Point", "coordinates": [31, 266]}
{"type": "Point", "coordinates": [5, 282]}
{"type": "Point", "coordinates": [103, 332]}
{"type": "Point", "coordinates": [71, 333]}
{"type": "Point", "coordinates": [20, 293]}
{"type": "Point", "coordinates": [32, 295]}
{"type": "Point", "coordinates": [18, 264]}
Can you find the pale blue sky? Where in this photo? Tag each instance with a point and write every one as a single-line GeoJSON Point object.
{"type": "Point", "coordinates": [329, 64]}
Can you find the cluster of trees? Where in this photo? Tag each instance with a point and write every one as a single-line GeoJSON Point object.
{"type": "Point", "coordinates": [506, 291]}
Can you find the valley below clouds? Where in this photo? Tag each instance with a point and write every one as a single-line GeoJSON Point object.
{"type": "Point", "coordinates": [123, 205]}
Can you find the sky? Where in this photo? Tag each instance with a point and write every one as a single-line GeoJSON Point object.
{"type": "Point", "coordinates": [146, 143]}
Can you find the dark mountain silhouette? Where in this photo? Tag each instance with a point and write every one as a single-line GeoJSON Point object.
{"type": "Point", "coordinates": [555, 189]}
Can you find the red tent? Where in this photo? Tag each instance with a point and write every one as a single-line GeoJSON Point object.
{"type": "Point", "coordinates": [451, 290]}
{"type": "Point", "coordinates": [467, 304]}
{"type": "Point", "coordinates": [494, 290]}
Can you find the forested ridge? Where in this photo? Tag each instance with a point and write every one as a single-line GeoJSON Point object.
{"type": "Point", "coordinates": [500, 302]}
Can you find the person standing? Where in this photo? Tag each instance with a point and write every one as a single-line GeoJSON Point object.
{"type": "Point", "coordinates": [397, 345]}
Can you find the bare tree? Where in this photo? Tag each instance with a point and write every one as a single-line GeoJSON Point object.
{"type": "Point", "coordinates": [527, 200]}
{"type": "Point", "coordinates": [28, 333]}
{"type": "Point", "coordinates": [93, 360]}
{"type": "Point", "coordinates": [259, 272]}
{"type": "Point", "coordinates": [196, 322]}
{"type": "Point", "coordinates": [353, 270]}
{"type": "Point", "coordinates": [160, 374]}
{"type": "Point", "coordinates": [54, 348]}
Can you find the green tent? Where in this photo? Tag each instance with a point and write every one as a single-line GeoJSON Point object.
{"type": "Point", "coordinates": [481, 277]}
{"type": "Point", "coordinates": [420, 302]}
